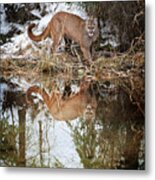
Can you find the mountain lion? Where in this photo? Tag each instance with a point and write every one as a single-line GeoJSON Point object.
{"type": "Point", "coordinates": [80, 104]}
{"type": "Point", "coordinates": [83, 32]}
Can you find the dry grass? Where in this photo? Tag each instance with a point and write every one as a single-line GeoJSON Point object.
{"type": "Point", "coordinates": [126, 71]}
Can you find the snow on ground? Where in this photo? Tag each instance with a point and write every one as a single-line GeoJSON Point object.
{"type": "Point", "coordinates": [5, 26]}
{"type": "Point", "coordinates": [21, 46]}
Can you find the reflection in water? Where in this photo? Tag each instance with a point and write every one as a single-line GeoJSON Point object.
{"type": "Point", "coordinates": [68, 107]}
{"type": "Point", "coordinates": [116, 140]}
{"type": "Point", "coordinates": [31, 137]}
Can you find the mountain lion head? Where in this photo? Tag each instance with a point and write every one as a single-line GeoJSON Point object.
{"type": "Point", "coordinates": [91, 26]}
{"type": "Point", "coordinates": [90, 112]}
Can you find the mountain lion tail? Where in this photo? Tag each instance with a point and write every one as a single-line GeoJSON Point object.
{"type": "Point", "coordinates": [39, 37]}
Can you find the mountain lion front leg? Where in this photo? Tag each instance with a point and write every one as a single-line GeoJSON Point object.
{"type": "Point", "coordinates": [57, 35]}
{"type": "Point", "coordinates": [56, 42]}
{"type": "Point", "coordinates": [86, 54]}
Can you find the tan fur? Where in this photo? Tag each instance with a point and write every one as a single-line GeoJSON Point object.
{"type": "Point", "coordinates": [70, 108]}
{"type": "Point", "coordinates": [67, 24]}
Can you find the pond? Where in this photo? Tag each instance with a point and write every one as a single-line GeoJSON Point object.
{"type": "Point", "coordinates": [104, 129]}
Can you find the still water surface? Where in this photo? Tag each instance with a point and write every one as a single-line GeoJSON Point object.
{"type": "Point", "coordinates": [113, 138]}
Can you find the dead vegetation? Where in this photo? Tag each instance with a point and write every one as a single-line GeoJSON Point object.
{"type": "Point", "coordinates": [125, 71]}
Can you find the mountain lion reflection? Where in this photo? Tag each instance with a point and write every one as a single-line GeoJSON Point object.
{"type": "Point", "coordinates": [83, 32]}
{"type": "Point", "coordinates": [80, 104]}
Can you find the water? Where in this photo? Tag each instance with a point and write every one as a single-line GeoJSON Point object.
{"type": "Point", "coordinates": [108, 135]}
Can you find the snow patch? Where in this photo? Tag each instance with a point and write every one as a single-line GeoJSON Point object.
{"type": "Point", "coordinates": [21, 46]}
{"type": "Point", "coordinates": [5, 26]}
